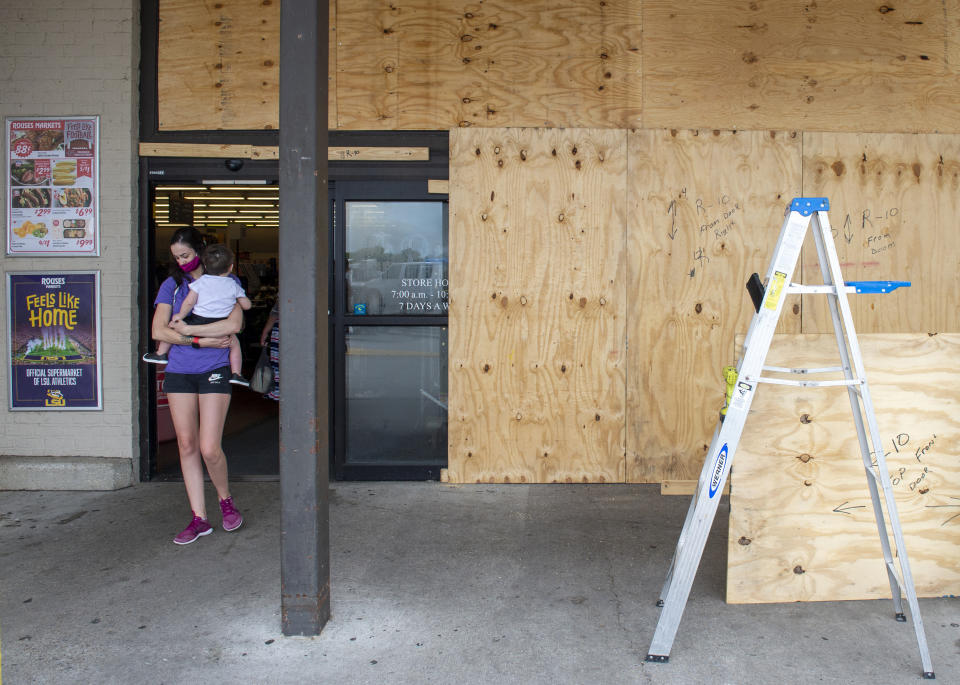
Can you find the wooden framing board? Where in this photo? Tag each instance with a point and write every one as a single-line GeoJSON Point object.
{"type": "Point", "coordinates": [894, 203]}
{"type": "Point", "coordinates": [684, 487]}
{"type": "Point", "coordinates": [537, 311]}
{"type": "Point", "coordinates": [834, 66]}
{"type": "Point", "coordinates": [801, 521]}
{"type": "Point", "coordinates": [334, 153]}
{"type": "Point", "coordinates": [704, 210]}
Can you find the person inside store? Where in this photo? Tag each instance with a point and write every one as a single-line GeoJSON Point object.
{"type": "Point", "coordinates": [271, 334]}
{"type": "Point", "coordinates": [197, 384]}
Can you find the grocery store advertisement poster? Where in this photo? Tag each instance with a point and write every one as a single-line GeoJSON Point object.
{"type": "Point", "coordinates": [53, 324]}
{"type": "Point", "coordinates": [53, 179]}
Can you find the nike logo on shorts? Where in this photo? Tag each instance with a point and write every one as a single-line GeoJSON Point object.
{"type": "Point", "coordinates": [215, 378]}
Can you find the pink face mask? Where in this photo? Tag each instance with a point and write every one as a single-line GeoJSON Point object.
{"type": "Point", "coordinates": [191, 265]}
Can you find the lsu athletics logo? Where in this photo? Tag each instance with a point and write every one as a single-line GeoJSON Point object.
{"type": "Point", "coordinates": [718, 470]}
{"type": "Point", "coordinates": [55, 398]}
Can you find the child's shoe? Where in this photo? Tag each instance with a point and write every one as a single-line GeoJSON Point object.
{"type": "Point", "coordinates": [155, 358]}
{"type": "Point", "coordinates": [237, 379]}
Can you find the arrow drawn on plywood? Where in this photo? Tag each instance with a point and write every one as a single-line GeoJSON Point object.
{"type": "Point", "coordinates": [672, 211]}
{"type": "Point", "coordinates": [844, 509]}
{"type": "Point", "coordinates": [946, 506]}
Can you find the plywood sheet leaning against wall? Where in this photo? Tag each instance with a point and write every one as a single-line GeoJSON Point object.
{"type": "Point", "coordinates": [795, 64]}
{"type": "Point", "coordinates": [537, 306]}
{"type": "Point", "coordinates": [425, 64]}
{"type": "Point", "coordinates": [801, 521]}
{"type": "Point", "coordinates": [894, 207]}
{"type": "Point", "coordinates": [704, 209]}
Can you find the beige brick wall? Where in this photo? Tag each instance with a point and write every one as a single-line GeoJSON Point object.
{"type": "Point", "coordinates": [79, 57]}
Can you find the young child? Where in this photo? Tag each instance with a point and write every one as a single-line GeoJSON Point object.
{"type": "Point", "coordinates": [212, 298]}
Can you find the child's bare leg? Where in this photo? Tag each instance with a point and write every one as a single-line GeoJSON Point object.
{"type": "Point", "coordinates": [163, 347]}
{"type": "Point", "coordinates": [236, 356]}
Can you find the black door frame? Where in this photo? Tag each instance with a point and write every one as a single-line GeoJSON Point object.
{"type": "Point", "coordinates": [340, 193]}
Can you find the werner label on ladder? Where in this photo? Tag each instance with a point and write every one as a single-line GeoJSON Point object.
{"type": "Point", "coordinates": [742, 384]}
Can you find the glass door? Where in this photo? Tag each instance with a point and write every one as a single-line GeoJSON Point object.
{"type": "Point", "coordinates": [390, 330]}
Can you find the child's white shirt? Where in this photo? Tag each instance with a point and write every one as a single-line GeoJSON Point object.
{"type": "Point", "coordinates": [216, 295]}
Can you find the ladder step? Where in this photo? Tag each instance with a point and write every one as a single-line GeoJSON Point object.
{"type": "Point", "coordinates": [803, 289]}
{"type": "Point", "coordinates": [785, 369]}
{"type": "Point", "coordinates": [806, 384]}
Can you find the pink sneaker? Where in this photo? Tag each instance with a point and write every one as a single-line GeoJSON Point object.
{"type": "Point", "coordinates": [197, 528]}
{"type": "Point", "coordinates": [231, 517]}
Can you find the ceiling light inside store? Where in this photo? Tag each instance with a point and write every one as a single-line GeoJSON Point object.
{"type": "Point", "coordinates": [252, 187]}
{"type": "Point", "coordinates": [246, 204]}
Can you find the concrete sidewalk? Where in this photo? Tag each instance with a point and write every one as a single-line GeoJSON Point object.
{"type": "Point", "coordinates": [430, 583]}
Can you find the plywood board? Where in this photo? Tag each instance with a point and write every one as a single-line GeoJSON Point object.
{"type": "Point", "coordinates": [704, 211]}
{"type": "Point", "coordinates": [537, 310]}
{"type": "Point", "coordinates": [437, 65]}
{"type": "Point", "coordinates": [801, 520]}
{"type": "Point", "coordinates": [835, 66]}
{"type": "Point", "coordinates": [367, 66]}
{"type": "Point", "coordinates": [894, 203]}
{"type": "Point", "coordinates": [218, 64]}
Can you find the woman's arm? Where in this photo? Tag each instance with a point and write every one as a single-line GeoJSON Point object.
{"type": "Point", "coordinates": [232, 324]}
{"type": "Point", "coordinates": [267, 327]}
{"type": "Point", "coordinates": [160, 329]}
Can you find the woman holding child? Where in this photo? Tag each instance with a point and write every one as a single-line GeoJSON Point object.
{"type": "Point", "coordinates": [197, 384]}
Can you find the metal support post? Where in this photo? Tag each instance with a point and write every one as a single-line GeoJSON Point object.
{"type": "Point", "coordinates": [304, 394]}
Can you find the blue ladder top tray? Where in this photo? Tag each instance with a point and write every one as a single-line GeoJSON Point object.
{"type": "Point", "coordinates": [878, 286]}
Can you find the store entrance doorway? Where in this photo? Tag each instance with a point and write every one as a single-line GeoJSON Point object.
{"type": "Point", "coordinates": [242, 214]}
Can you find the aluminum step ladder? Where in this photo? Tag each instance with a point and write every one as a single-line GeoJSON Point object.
{"type": "Point", "coordinates": [768, 302]}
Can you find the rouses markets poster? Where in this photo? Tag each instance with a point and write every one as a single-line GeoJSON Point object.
{"type": "Point", "coordinates": [53, 204]}
{"type": "Point", "coordinates": [53, 323]}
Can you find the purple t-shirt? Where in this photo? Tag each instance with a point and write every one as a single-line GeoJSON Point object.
{"type": "Point", "coordinates": [184, 358]}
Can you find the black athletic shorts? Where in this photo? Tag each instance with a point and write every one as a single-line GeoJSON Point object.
{"type": "Point", "coordinates": [197, 320]}
{"type": "Point", "coordinates": [216, 381]}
